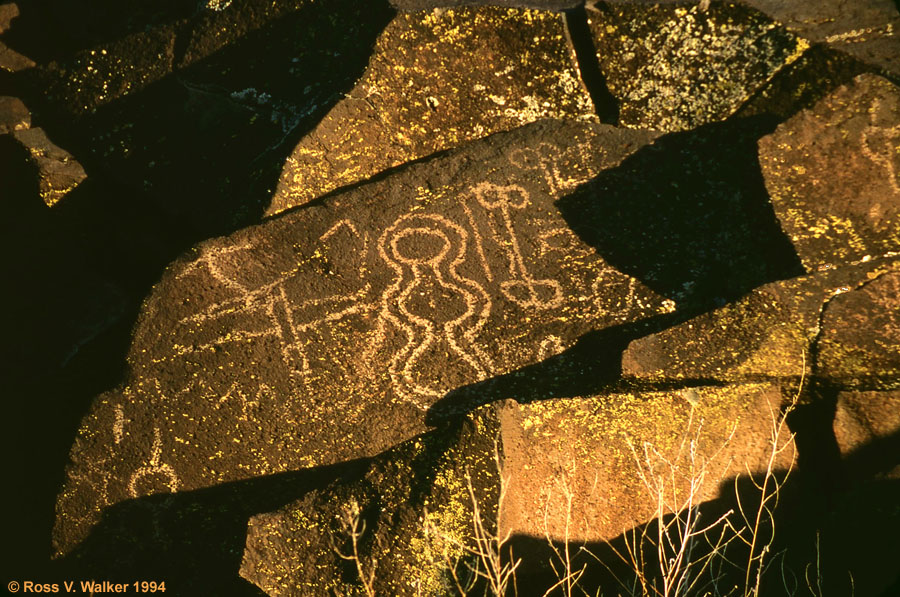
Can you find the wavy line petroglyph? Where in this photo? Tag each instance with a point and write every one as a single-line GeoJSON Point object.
{"type": "Point", "coordinates": [889, 141]}
{"type": "Point", "coordinates": [154, 468]}
{"type": "Point", "coordinates": [417, 263]}
{"type": "Point", "coordinates": [523, 289]}
{"type": "Point", "coordinates": [287, 322]}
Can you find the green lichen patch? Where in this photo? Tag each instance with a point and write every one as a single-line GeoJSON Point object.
{"type": "Point", "coordinates": [833, 173]}
{"type": "Point", "coordinates": [677, 66]}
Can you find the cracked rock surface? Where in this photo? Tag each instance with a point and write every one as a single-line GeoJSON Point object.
{"type": "Point", "coordinates": [324, 297]}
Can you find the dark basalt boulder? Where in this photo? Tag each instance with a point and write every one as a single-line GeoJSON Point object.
{"type": "Point", "coordinates": [833, 173]}
{"type": "Point", "coordinates": [325, 334]}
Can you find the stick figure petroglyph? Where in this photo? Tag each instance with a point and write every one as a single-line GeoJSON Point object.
{"type": "Point", "coordinates": [523, 289]}
{"type": "Point", "coordinates": [425, 251]}
{"type": "Point", "coordinates": [155, 468]}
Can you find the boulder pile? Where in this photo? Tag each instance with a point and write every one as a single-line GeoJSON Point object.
{"type": "Point", "coordinates": [428, 297]}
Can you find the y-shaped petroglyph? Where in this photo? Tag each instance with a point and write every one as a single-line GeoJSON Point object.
{"type": "Point", "coordinates": [425, 252]}
{"type": "Point", "coordinates": [881, 144]}
{"type": "Point", "coordinates": [288, 319]}
{"type": "Point", "coordinates": [155, 468]}
{"type": "Point", "coordinates": [546, 159]}
{"type": "Point", "coordinates": [523, 289]}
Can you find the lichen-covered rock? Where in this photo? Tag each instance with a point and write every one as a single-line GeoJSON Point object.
{"type": "Point", "coordinates": [59, 172]}
{"type": "Point", "coordinates": [324, 334]}
{"type": "Point", "coordinates": [675, 66]}
{"type": "Point", "coordinates": [14, 115]}
{"type": "Point", "coordinates": [859, 345]}
{"type": "Point", "coordinates": [867, 29]}
{"type": "Point", "coordinates": [771, 333]}
{"type": "Point", "coordinates": [413, 511]}
{"type": "Point", "coordinates": [423, 92]}
{"type": "Point", "coordinates": [833, 173]}
{"type": "Point", "coordinates": [414, 5]}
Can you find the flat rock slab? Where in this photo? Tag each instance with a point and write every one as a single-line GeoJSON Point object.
{"type": "Point", "coordinates": [413, 508]}
{"type": "Point", "coordinates": [324, 334]}
{"type": "Point", "coordinates": [770, 334]}
{"type": "Point", "coordinates": [673, 67]}
{"type": "Point", "coordinates": [833, 173]}
{"type": "Point", "coordinates": [59, 172]}
{"type": "Point", "coordinates": [436, 80]}
{"type": "Point", "coordinates": [859, 346]}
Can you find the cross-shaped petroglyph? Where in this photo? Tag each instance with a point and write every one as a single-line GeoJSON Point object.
{"type": "Point", "coordinates": [288, 319]}
{"type": "Point", "coordinates": [523, 289]}
{"type": "Point", "coordinates": [154, 468]}
{"type": "Point", "coordinates": [425, 252]}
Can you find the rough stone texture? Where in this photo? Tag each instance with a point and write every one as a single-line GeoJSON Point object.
{"type": "Point", "coordinates": [423, 92]}
{"type": "Point", "coordinates": [867, 29]}
{"type": "Point", "coordinates": [414, 512]}
{"type": "Point", "coordinates": [59, 172]}
{"type": "Point", "coordinates": [677, 66]}
{"type": "Point", "coordinates": [768, 334]}
{"type": "Point", "coordinates": [833, 173]}
{"type": "Point", "coordinates": [583, 445]}
{"type": "Point", "coordinates": [859, 346]}
{"type": "Point", "coordinates": [416, 5]}
{"type": "Point", "coordinates": [323, 335]}
{"type": "Point", "coordinates": [864, 417]}
{"type": "Point", "coordinates": [14, 115]}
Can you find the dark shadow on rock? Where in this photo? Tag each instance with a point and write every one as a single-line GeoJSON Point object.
{"type": "Point", "coordinates": [820, 540]}
{"type": "Point", "coordinates": [689, 215]}
{"type": "Point", "coordinates": [192, 540]}
{"type": "Point", "coordinates": [593, 364]}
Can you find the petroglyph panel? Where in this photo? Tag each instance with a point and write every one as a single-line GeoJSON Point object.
{"type": "Point", "coordinates": [325, 334]}
{"type": "Point", "coordinates": [834, 174]}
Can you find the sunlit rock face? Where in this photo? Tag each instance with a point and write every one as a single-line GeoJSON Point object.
{"type": "Point", "coordinates": [423, 92]}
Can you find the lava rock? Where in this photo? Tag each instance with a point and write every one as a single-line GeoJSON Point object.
{"type": "Point", "coordinates": [59, 172]}
{"type": "Point", "coordinates": [673, 67]}
{"type": "Point", "coordinates": [857, 347]}
{"type": "Point", "coordinates": [326, 333]}
{"type": "Point", "coordinates": [833, 173]}
{"type": "Point", "coordinates": [412, 511]}
{"type": "Point", "coordinates": [423, 93]}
